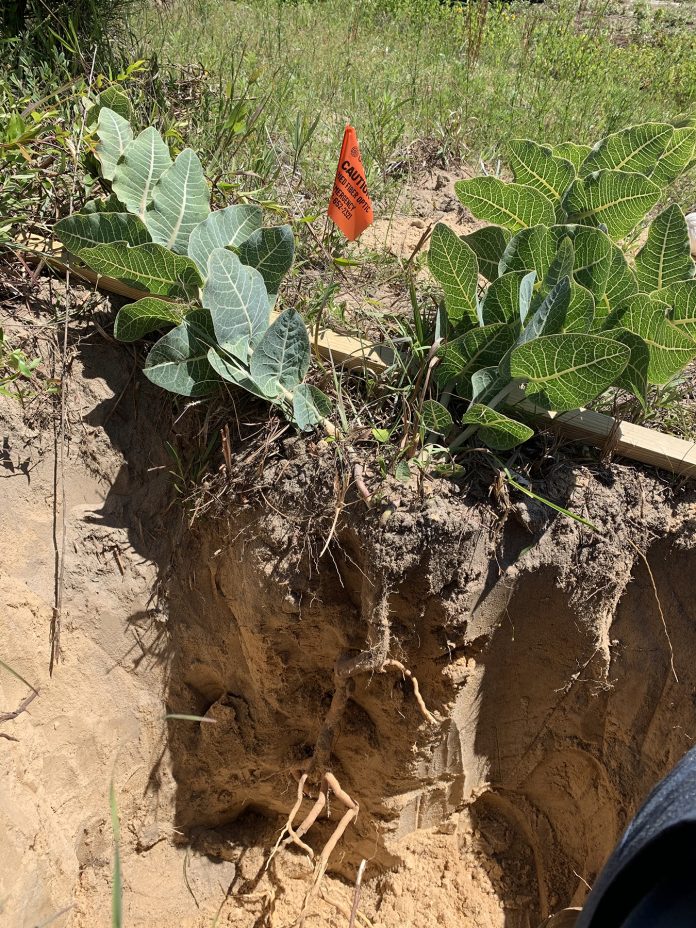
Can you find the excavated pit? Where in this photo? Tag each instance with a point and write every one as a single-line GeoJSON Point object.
{"type": "Point", "coordinates": [557, 662]}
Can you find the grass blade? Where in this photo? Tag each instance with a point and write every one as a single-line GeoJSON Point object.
{"type": "Point", "coordinates": [117, 886]}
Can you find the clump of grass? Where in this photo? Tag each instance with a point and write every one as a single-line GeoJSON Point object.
{"type": "Point", "coordinates": [69, 25]}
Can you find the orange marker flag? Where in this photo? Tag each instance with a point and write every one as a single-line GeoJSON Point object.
{"type": "Point", "coordinates": [350, 207]}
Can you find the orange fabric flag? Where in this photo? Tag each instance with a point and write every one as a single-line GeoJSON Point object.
{"type": "Point", "coordinates": [350, 207]}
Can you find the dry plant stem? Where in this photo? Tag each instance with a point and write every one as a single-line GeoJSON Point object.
{"type": "Point", "coordinates": [22, 707]}
{"type": "Point", "coordinates": [59, 467]}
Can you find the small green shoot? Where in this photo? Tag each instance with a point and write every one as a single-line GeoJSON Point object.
{"type": "Point", "coordinates": [117, 883]}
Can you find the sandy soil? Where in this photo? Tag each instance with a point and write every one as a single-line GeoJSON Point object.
{"type": "Point", "coordinates": [538, 645]}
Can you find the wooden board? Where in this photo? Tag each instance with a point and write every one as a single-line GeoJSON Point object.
{"type": "Point", "coordinates": [618, 437]}
{"type": "Point", "coordinates": [605, 432]}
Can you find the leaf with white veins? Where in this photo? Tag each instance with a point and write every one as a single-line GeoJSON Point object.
{"type": "Point", "coordinates": [143, 162]}
{"type": "Point", "coordinates": [149, 266]}
{"type": "Point", "coordinates": [271, 252]}
{"type": "Point", "coordinates": [180, 201]}
{"type": "Point", "coordinates": [453, 264]}
{"type": "Point", "coordinates": [281, 359]}
{"type": "Point", "coordinates": [223, 228]}
{"type": "Point", "coordinates": [236, 297]}
{"type": "Point", "coordinates": [565, 373]}
{"type": "Point", "coordinates": [665, 258]}
{"type": "Point", "coordinates": [513, 206]}
{"type": "Point", "coordinates": [87, 230]}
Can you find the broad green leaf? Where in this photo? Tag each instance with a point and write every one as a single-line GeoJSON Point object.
{"type": "Point", "coordinates": [573, 152]}
{"type": "Point", "coordinates": [634, 377]}
{"type": "Point", "coordinates": [116, 100]}
{"type": "Point", "coordinates": [436, 418]}
{"type": "Point", "coordinates": [85, 230]}
{"type": "Point", "coordinates": [480, 347]}
{"type": "Point", "coordinates": [567, 307]}
{"type": "Point", "coordinates": [513, 206]}
{"type": "Point", "coordinates": [530, 250]}
{"type": "Point", "coordinates": [679, 154]}
{"type": "Point", "coordinates": [309, 406]}
{"type": "Point", "coordinates": [180, 201]}
{"type": "Point", "coordinates": [616, 199]}
{"type": "Point", "coordinates": [236, 297]}
{"type": "Point", "coordinates": [665, 258]}
{"type": "Point", "coordinates": [281, 359]}
{"type": "Point", "coordinates": [233, 372]}
{"type": "Point", "coordinates": [147, 315]}
{"type": "Point", "coordinates": [548, 318]}
{"type": "Point", "coordinates": [635, 149]}
{"type": "Point", "coordinates": [402, 471]}
{"type": "Point", "coordinates": [488, 244]}
{"type": "Point", "coordinates": [581, 312]}
{"type": "Point", "coordinates": [621, 284]}
{"type": "Point", "coordinates": [149, 266]}
{"type": "Point", "coordinates": [143, 162]}
{"type": "Point", "coordinates": [593, 252]}
{"type": "Point", "coordinates": [497, 431]}
{"type": "Point", "coordinates": [223, 228]}
{"type": "Point", "coordinates": [565, 373]}
{"type": "Point", "coordinates": [682, 299]}
{"type": "Point", "coordinates": [670, 348]}
{"type": "Point", "coordinates": [178, 362]}
{"type": "Point", "coordinates": [453, 264]}
{"type": "Point", "coordinates": [108, 204]}
{"type": "Point", "coordinates": [271, 252]}
{"type": "Point", "coordinates": [486, 382]}
{"type": "Point", "coordinates": [114, 134]}
{"type": "Point", "coordinates": [502, 300]}
{"type": "Point", "coordinates": [536, 166]}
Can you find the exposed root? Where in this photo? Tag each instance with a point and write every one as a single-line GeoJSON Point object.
{"type": "Point", "coordinates": [329, 782]}
{"type": "Point", "coordinates": [373, 660]}
{"type": "Point", "coordinates": [359, 479]}
{"type": "Point", "coordinates": [659, 609]}
{"type": "Point", "coordinates": [397, 665]}
{"type": "Point", "coordinates": [288, 834]}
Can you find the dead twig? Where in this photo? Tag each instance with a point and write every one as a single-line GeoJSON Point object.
{"type": "Point", "coordinates": [22, 707]}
